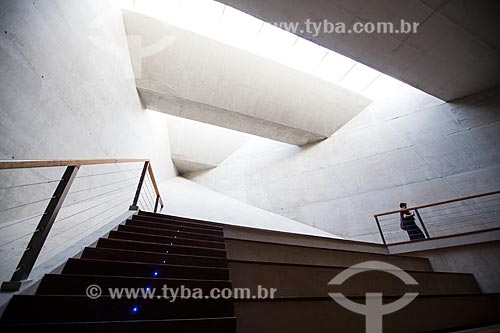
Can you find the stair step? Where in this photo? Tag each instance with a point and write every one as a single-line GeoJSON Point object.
{"type": "Point", "coordinates": [169, 233]}
{"type": "Point", "coordinates": [159, 248]}
{"type": "Point", "coordinates": [202, 325]}
{"type": "Point", "coordinates": [51, 309]}
{"type": "Point", "coordinates": [120, 268]}
{"type": "Point", "coordinates": [312, 281]}
{"type": "Point", "coordinates": [295, 254]}
{"type": "Point", "coordinates": [441, 313]}
{"type": "Point", "coordinates": [176, 222]}
{"type": "Point", "coordinates": [172, 227]}
{"type": "Point", "coordinates": [164, 240]}
{"type": "Point", "coordinates": [70, 284]}
{"type": "Point", "coordinates": [152, 257]}
{"type": "Point", "coordinates": [180, 218]}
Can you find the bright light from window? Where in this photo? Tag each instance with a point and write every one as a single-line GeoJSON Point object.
{"type": "Point", "coordinates": [359, 77]}
{"type": "Point", "coordinates": [239, 29]}
{"type": "Point", "coordinates": [382, 86]}
{"type": "Point", "coordinates": [233, 27]}
{"type": "Point", "coordinates": [274, 43]}
{"type": "Point", "coordinates": [333, 67]}
{"type": "Point", "coordinates": [305, 55]}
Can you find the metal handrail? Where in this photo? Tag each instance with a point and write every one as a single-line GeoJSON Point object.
{"type": "Point", "coordinates": [439, 203]}
{"type": "Point", "coordinates": [55, 204]}
{"type": "Point", "coordinates": [419, 217]}
{"type": "Point", "coordinates": [29, 164]}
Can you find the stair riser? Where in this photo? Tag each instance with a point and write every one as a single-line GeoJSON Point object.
{"type": "Point", "coordinates": [180, 218]}
{"type": "Point", "coordinates": [45, 309]}
{"type": "Point", "coordinates": [195, 326]}
{"type": "Point", "coordinates": [297, 281]}
{"type": "Point", "coordinates": [150, 247]}
{"type": "Point", "coordinates": [111, 268]}
{"type": "Point", "coordinates": [152, 258]}
{"type": "Point", "coordinates": [164, 240]}
{"type": "Point", "coordinates": [167, 233]}
{"type": "Point", "coordinates": [177, 221]}
{"type": "Point", "coordinates": [170, 227]}
{"type": "Point", "coordinates": [53, 284]}
{"type": "Point", "coordinates": [266, 252]}
{"type": "Point", "coordinates": [436, 314]}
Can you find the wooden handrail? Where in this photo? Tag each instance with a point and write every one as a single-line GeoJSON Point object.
{"type": "Point", "coordinates": [8, 164]}
{"type": "Point", "coordinates": [153, 180]}
{"type": "Point", "coordinates": [439, 203]}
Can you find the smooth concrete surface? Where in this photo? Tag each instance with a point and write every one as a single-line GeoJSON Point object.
{"type": "Point", "coordinates": [196, 146]}
{"type": "Point", "coordinates": [296, 254]}
{"type": "Point", "coordinates": [68, 92]}
{"type": "Point", "coordinates": [309, 281]}
{"type": "Point", "coordinates": [454, 54]}
{"type": "Point", "coordinates": [408, 147]}
{"type": "Point", "coordinates": [185, 198]}
{"type": "Point", "coordinates": [201, 79]}
{"type": "Point", "coordinates": [480, 259]}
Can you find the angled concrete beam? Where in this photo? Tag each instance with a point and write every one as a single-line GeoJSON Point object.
{"type": "Point", "coordinates": [201, 79]}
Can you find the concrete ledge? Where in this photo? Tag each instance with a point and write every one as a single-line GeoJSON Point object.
{"type": "Point", "coordinates": [290, 238]}
{"type": "Point", "coordinates": [446, 241]}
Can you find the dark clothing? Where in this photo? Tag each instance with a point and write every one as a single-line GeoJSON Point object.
{"type": "Point", "coordinates": [411, 228]}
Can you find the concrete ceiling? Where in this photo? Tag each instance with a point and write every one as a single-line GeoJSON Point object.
{"type": "Point", "coordinates": [198, 78]}
{"type": "Point", "coordinates": [455, 53]}
{"type": "Point", "coordinates": [196, 146]}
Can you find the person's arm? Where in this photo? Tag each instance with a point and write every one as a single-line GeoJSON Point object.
{"type": "Point", "coordinates": [408, 215]}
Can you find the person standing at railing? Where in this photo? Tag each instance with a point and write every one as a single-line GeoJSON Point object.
{"type": "Point", "coordinates": [408, 223]}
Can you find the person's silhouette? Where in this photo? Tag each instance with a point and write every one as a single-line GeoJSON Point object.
{"type": "Point", "coordinates": [408, 223]}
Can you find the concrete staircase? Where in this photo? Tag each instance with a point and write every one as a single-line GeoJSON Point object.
{"type": "Point", "coordinates": [152, 250]}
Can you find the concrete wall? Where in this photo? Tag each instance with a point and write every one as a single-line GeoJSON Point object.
{"type": "Point", "coordinates": [186, 198]}
{"type": "Point", "coordinates": [67, 91]}
{"type": "Point", "coordinates": [196, 146]}
{"type": "Point", "coordinates": [454, 53]}
{"type": "Point", "coordinates": [408, 147]}
{"type": "Point", "coordinates": [479, 259]}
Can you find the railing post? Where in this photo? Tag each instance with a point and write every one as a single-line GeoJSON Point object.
{"type": "Point", "coordinates": [156, 203]}
{"type": "Point", "coordinates": [139, 187]}
{"type": "Point", "coordinates": [380, 230]}
{"type": "Point", "coordinates": [422, 223]}
{"type": "Point", "coordinates": [42, 230]}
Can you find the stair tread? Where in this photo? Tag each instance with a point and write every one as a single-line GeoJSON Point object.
{"type": "Point", "coordinates": [152, 257]}
{"type": "Point", "coordinates": [167, 216]}
{"type": "Point", "coordinates": [166, 226]}
{"type": "Point", "coordinates": [152, 243]}
{"type": "Point", "coordinates": [144, 264]}
{"type": "Point", "coordinates": [168, 240]}
{"type": "Point", "coordinates": [277, 263]}
{"type": "Point", "coordinates": [156, 253]}
{"type": "Point", "coordinates": [156, 231]}
{"type": "Point", "coordinates": [175, 222]}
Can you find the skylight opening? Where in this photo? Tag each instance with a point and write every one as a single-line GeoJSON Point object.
{"type": "Point", "coordinates": [238, 29]}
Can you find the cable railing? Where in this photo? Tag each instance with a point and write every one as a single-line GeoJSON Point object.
{"type": "Point", "coordinates": [470, 214]}
{"type": "Point", "coordinates": [36, 198]}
